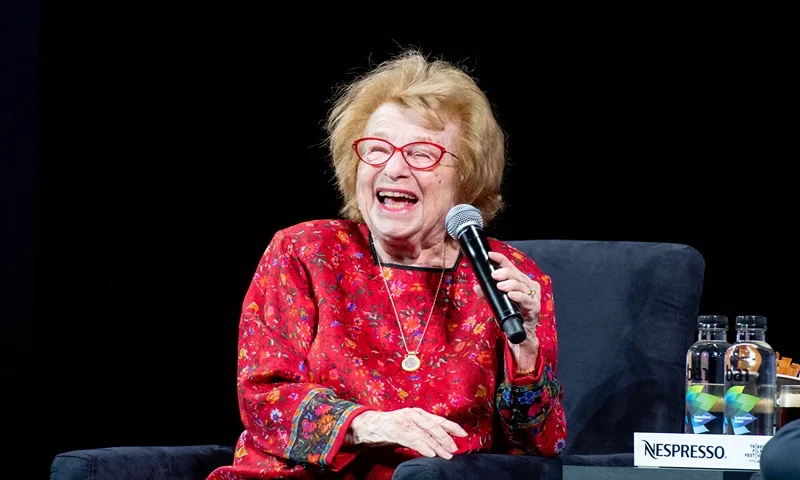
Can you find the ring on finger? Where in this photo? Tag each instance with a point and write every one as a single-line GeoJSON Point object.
{"type": "Point", "coordinates": [532, 293]}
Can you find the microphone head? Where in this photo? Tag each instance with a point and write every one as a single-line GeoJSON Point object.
{"type": "Point", "coordinates": [462, 216]}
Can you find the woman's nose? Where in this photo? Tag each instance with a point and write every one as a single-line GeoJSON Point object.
{"type": "Point", "coordinates": [396, 166]}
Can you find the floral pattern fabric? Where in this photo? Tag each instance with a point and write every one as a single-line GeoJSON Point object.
{"type": "Point", "coordinates": [319, 344]}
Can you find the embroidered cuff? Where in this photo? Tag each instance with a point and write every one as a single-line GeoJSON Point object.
{"type": "Point", "coordinates": [319, 426]}
{"type": "Point", "coordinates": [527, 406]}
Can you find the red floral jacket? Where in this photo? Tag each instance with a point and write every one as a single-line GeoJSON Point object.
{"type": "Point", "coordinates": [319, 344]}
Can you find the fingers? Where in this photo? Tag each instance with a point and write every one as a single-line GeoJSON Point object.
{"type": "Point", "coordinates": [520, 288]}
{"type": "Point", "coordinates": [507, 270]}
{"type": "Point", "coordinates": [413, 437]}
{"type": "Point", "coordinates": [413, 428]}
{"type": "Point", "coordinates": [501, 260]}
{"type": "Point", "coordinates": [396, 428]}
{"type": "Point", "coordinates": [513, 285]}
{"type": "Point", "coordinates": [453, 428]}
{"type": "Point", "coordinates": [431, 424]}
{"type": "Point", "coordinates": [508, 282]}
{"type": "Point", "coordinates": [434, 444]}
{"type": "Point", "coordinates": [429, 434]}
{"type": "Point", "coordinates": [525, 301]}
{"type": "Point", "coordinates": [446, 424]}
{"type": "Point", "coordinates": [420, 439]}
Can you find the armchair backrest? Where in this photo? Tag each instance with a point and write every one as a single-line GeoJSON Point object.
{"type": "Point", "coordinates": [626, 315]}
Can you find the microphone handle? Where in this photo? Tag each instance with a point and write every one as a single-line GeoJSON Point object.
{"type": "Point", "coordinates": [476, 247]}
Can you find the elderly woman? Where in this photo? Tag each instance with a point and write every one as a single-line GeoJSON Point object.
{"type": "Point", "coordinates": [366, 342]}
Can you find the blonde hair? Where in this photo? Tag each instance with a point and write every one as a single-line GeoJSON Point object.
{"type": "Point", "coordinates": [438, 91]}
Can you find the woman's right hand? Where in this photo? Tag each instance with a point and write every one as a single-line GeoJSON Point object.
{"type": "Point", "coordinates": [414, 428]}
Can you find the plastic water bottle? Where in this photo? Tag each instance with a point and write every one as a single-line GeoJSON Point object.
{"type": "Point", "coordinates": [705, 377]}
{"type": "Point", "coordinates": [750, 380]}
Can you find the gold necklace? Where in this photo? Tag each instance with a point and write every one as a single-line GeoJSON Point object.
{"type": "Point", "coordinates": [411, 362]}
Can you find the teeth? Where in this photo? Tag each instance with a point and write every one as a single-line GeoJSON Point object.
{"type": "Point", "coordinates": [396, 194]}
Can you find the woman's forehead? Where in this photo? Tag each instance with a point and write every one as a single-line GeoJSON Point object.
{"type": "Point", "coordinates": [398, 123]}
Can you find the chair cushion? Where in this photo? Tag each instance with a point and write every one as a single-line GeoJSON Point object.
{"type": "Point", "coordinates": [135, 463]}
{"type": "Point", "coordinates": [626, 315]}
{"type": "Point", "coordinates": [501, 467]}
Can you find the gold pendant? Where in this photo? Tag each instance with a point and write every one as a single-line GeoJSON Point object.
{"type": "Point", "coordinates": [411, 363]}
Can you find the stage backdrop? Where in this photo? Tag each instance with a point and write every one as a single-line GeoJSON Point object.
{"type": "Point", "coordinates": [176, 140]}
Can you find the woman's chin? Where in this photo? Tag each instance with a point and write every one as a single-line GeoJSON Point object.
{"type": "Point", "coordinates": [393, 227]}
{"type": "Point", "coordinates": [393, 232]}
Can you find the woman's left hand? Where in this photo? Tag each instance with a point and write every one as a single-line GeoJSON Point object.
{"type": "Point", "coordinates": [526, 293]}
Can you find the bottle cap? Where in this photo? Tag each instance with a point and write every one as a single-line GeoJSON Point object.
{"type": "Point", "coordinates": [712, 321]}
{"type": "Point", "coordinates": [751, 321]}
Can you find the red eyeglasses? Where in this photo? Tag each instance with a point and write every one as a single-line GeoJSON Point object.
{"type": "Point", "coordinates": [419, 155]}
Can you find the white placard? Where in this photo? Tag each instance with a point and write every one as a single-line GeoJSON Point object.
{"type": "Point", "coordinates": [724, 452]}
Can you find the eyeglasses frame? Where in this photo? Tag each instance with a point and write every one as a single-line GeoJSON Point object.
{"type": "Point", "coordinates": [400, 149]}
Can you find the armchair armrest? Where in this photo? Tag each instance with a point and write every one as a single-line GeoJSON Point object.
{"type": "Point", "coordinates": [133, 463]}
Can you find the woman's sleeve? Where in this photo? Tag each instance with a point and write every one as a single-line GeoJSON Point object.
{"type": "Point", "coordinates": [287, 414]}
{"type": "Point", "coordinates": [531, 414]}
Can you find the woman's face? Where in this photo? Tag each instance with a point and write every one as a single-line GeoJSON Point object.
{"type": "Point", "coordinates": [399, 203]}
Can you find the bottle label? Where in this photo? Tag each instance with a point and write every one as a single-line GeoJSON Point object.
{"type": "Point", "coordinates": [700, 406]}
{"type": "Point", "coordinates": [739, 406]}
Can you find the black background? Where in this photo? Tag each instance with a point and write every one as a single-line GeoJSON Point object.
{"type": "Point", "coordinates": [174, 140]}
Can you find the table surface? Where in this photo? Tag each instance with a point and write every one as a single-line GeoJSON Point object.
{"type": "Point", "coordinates": [574, 472]}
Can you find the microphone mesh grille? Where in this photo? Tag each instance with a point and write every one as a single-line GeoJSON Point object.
{"type": "Point", "coordinates": [462, 214]}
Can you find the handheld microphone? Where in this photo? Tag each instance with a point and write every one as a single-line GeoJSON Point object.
{"type": "Point", "coordinates": [465, 224]}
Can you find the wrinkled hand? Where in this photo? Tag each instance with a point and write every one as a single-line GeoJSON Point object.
{"type": "Point", "coordinates": [526, 293]}
{"type": "Point", "coordinates": [414, 428]}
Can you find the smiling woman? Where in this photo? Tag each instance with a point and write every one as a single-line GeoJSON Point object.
{"type": "Point", "coordinates": [366, 341]}
{"type": "Point", "coordinates": [404, 194]}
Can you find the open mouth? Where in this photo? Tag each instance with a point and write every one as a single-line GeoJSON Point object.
{"type": "Point", "coordinates": [396, 199]}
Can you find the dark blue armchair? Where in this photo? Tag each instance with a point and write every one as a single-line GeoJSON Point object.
{"type": "Point", "coordinates": [626, 314]}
